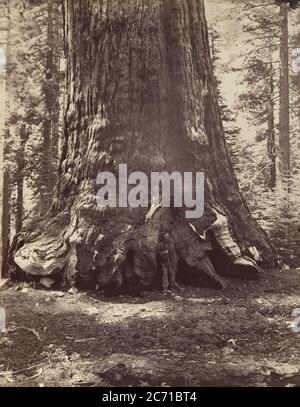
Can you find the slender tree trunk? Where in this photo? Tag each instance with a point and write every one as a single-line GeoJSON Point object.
{"type": "Point", "coordinates": [6, 187]}
{"type": "Point", "coordinates": [50, 125]}
{"type": "Point", "coordinates": [5, 235]}
{"type": "Point", "coordinates": [140, 91]}
{"type": "Point", "coordinates": [57, 40]}
{"type": "Point", "coordinates": [284, 103]}
{"type": "Point", "coordinates": [20, 179]}
{"type": "Point", "coordinates": [19, 208]}
{"type": "Point", "coordinates": [271, 132]}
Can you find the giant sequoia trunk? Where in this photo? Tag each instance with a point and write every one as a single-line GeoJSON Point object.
{"type": "Point", "coordinates": [140, 91]}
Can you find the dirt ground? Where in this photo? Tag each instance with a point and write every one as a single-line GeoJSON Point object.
{"type": "Point", "coordinates": [200, 337]}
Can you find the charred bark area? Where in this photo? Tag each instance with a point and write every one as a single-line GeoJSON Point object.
{"type": "Point", "coordinates": [141, 92]}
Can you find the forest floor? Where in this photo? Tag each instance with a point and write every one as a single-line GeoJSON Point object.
{"type": "Point", "coordinates": [200, 337]}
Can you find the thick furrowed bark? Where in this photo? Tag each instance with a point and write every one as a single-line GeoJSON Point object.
{"type": "Point", "coordinates": [118, 253]}
{"type": "Point", "coordinates": [140, 91]}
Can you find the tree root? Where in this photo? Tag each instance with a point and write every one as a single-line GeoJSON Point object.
{"type": "Point", "coordinates": [122, 257]}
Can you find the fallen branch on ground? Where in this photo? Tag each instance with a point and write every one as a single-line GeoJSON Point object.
{"type": "Point", "coordinates": [26, 329]}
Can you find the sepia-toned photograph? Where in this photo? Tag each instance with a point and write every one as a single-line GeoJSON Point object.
{"type": "Point", "coordinates": [149, 196]}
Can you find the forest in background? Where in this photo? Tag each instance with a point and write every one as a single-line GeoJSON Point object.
{"type": "Point", "coordinates": [254, 53]}
{"type": "Point", "coordinates": [146, 83]}
{"type": "Point", "coordinates": [32, 37]}
{"type": "Point", "coordinates": [255, 49]}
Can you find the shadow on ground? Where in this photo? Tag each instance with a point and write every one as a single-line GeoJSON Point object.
{"type": "Point", "coordinates": [235, 337]}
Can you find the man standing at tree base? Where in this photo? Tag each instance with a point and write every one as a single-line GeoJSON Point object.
{"type": "Point", "coordinates": [168, 263]}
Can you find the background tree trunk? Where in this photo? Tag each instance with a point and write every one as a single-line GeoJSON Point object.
{"type": "Point", "coordinates": [140, 91]}
{"type": "Point", "coordinates": [20, 179]}
{"type": "Point", "coordinates": [271, 132]}
{"type": "Point", "coordinates": [6, 187]}
{"type": "Point", "coordinates": [284, 103]}
{"type": "Point", "coordinates": [51, 120]}
{"type": "Point", "coordinates": [19, 204]}
{"type": "Point", "coordinates": [5, 224]}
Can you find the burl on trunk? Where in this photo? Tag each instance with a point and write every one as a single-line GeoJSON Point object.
{"type": "Point", "coordinates": [140, 91]}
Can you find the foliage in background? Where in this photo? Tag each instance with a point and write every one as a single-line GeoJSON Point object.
{"type": "Point", "coordinates": [273, 202]}
{"type": "Point", "coordinates": [34, 89]}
